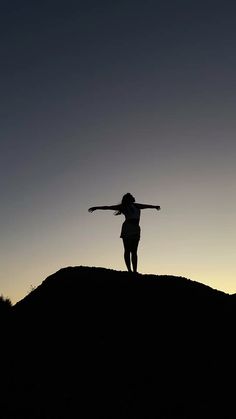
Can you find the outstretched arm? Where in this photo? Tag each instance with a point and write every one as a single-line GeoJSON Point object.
{"type": "Point", "coordinates": [106, 207]}
{"type": "Point", "coordinates": [145, 206]}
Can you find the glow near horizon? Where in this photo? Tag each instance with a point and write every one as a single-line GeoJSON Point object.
{"type": "Point", "coordinates": [192, 235]}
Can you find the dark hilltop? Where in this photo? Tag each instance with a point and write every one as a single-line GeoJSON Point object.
{"type": "Point", "coordinates": [94, 342]}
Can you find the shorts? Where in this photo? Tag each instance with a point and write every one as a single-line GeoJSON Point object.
{"type": "Point", "coordinates": [130, 230]}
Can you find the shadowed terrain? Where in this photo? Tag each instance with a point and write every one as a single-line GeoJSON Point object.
{"type": "Point", "coordinates": [94, 342]}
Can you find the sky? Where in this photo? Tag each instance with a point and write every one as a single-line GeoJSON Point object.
{"type": "Point", "coordinates": [101, 98]}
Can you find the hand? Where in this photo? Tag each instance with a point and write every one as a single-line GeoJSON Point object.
{"type": "Point", "coordinates": [158, 208]}
{"type": "Point", "coordinates": [92, 209]}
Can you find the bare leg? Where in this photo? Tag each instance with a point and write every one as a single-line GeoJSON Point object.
{"type": "Point", "coordinates": [134, 261]}
{"type": "Point", "coordinates": [127, 259]}
{"type": "Point", "coordinates": [134, 254]}
{"type": "Point", "coordinates": [127, 254]}
{"type": "Point", "coordinates": [131, 247]}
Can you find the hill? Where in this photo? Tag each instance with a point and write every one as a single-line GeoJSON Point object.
{"type": "Point", "coordinates": [95, 342]}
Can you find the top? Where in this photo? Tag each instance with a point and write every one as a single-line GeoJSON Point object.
{"type": "Point", "coordinates": [131, 212]}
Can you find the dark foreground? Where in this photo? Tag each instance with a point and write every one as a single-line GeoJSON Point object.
{"type": "Point", "coordinates": [98, 343]}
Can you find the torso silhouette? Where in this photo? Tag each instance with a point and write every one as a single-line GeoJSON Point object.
{"type": "Point", "coordinates": [131, 212]}
{"type": "Point", "coordinates": [130, 227]}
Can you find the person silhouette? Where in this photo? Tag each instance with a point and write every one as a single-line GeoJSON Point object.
{"type": "Point", "coordinates": [130, 231]}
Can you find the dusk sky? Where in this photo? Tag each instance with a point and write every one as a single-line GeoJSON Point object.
{"type": "Point", "coordinates": [100, 98]}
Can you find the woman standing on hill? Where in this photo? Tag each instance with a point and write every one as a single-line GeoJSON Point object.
{"type": "Point", "coordinates": [130, 231]}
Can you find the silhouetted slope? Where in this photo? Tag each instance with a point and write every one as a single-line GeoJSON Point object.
{"type": "Point", "coordinates": [95, 342]}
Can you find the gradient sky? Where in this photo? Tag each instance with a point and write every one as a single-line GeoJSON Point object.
{"type": "Point", "coordinates": [99, 98]}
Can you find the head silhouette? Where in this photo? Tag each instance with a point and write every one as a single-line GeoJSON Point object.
{"type": "Point", "coordinates": [127, 200]}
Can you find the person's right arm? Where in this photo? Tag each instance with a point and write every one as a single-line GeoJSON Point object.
{"type": "Point", "coordinates": [105, 207]}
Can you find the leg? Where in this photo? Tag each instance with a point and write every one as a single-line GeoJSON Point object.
{"type": "Point", "coordinates": [134, 255]}
{"type": "Point", "coordinates": [134, 261]}
{"type": "Point", "coordinates": [127, 254]}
